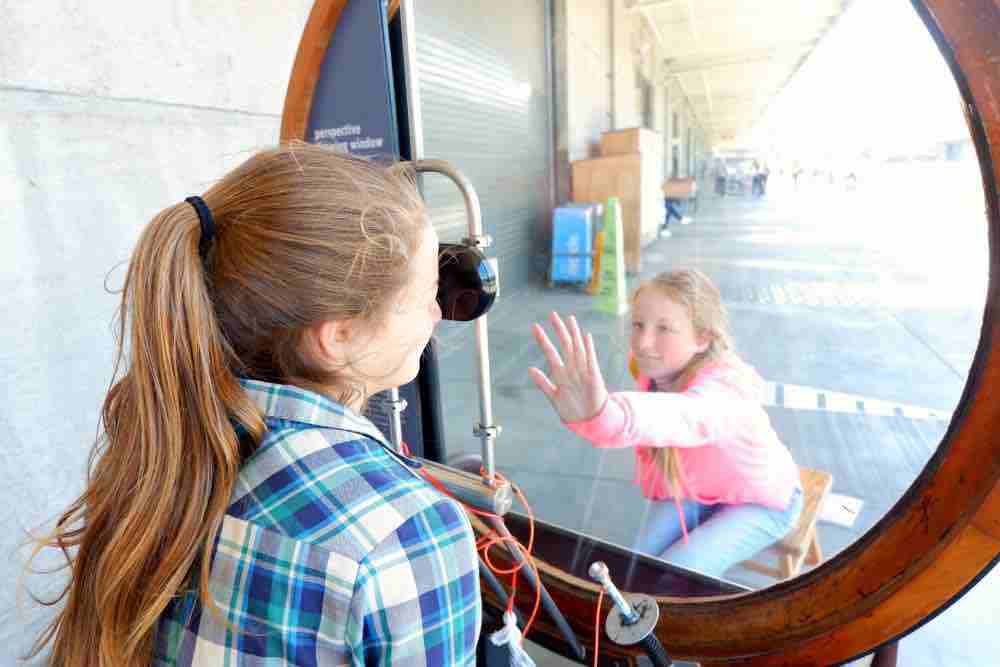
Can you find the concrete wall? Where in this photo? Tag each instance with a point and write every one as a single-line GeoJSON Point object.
{"type": "Point", "coordinates": [109, 112]}
{"type": "Point", "coordinates": [589, 76]}
{"type": "Point", "coordinates": [602, 54]}
{"type": "Point", "coordinates": [683, 122]}
{"type": "Point", "coordinates": [582, 77]}
{"type": "Point", "coordinates": [625, 107]}
{"type": "Point", "coordinates": [678, 120]}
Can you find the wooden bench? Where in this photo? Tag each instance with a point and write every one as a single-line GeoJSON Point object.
{"type": "Point", "coordinates": [801, 545]}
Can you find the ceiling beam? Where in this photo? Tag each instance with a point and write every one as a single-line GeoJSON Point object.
{"type": "Point", "coordinates": [662, 45]}
{"type": "Point", "coordinates": [735, 13]}
{"type": "Point", "coordinates": [728, 96]}
{"type": "Point", "coordinates": [691, 23]}
{"type": "Point", "coordinates": [791, 50]}
{"type": "Point", "coordinates": [646, 4]}
{"type": "Point", "coordinates": [655, 29]}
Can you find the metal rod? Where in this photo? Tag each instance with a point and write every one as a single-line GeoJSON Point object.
{"type": "Point", "coordinates": [396, 407]}
{"type": "Point", "coordinates": [469, 489]}
{"type": "Point", "coordinates": [486, 430]}
{"type": "Point", "coordinates": [474, 213]}
{"type": "Point", "coordinates": [494, 584]}
{"type": "Point", "coordinates": [547, 601]}
{"type": "Point", "coordinates": [599, 572]}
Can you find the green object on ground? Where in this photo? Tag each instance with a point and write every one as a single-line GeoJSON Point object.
{"type": "Point", "coordinates": [612, 297]}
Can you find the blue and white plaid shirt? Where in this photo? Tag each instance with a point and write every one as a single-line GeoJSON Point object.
{"type": "Point", "coordinates": [334, 551]}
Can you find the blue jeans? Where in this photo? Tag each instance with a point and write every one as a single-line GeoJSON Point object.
{"type": "Point", "coordinates": [719, 536]}
{"type": "Point", "coordinates": [672, 210]}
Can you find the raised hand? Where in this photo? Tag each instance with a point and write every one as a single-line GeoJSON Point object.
{"type": "Point", "coordinates": [574, 385]}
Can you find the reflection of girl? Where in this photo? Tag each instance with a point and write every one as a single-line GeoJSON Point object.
{"type": "Point", "coordinates": [240, 510]}
{"type": "Point", "coordinates": [700, 435]}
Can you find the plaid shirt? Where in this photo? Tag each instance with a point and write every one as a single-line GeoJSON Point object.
{"type": "Point", "coordinates": [334, 551]}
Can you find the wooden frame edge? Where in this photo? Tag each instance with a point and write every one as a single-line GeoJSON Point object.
{"type": "Point", "coordinates": [316, 36]}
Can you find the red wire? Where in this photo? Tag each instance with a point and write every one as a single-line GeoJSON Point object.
{"type": "Point", "coordinates": [491, 538]}
{"type": "Point", "coordinates": [597, 627]}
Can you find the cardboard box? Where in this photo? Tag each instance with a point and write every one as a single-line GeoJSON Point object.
{"type": "Point", "coordinates": [632, 140]}
{"type": "Point", "coordinates": [680, 188]}
{"type": "Point", "coordinates": [635, 179]}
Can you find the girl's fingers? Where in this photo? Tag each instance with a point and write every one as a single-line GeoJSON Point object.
{"type": "Point", "coordinates": [593, 366]}
{"type": "Point", "coordinates": [542, 382]}
{"type": "Point", "coordinates": [579, 352]}
{"type": "Point", "coordinates": [564, 338]}
{"type": "Point", "coordinates": [548, 349]}
{"type": "Point", "coordinates": [591, 355]}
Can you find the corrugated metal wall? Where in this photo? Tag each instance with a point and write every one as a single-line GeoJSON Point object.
{"type": "Point", "coordinates": [485, 106]}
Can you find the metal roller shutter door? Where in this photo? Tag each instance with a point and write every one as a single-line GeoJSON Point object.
{"type": "Point", "coordinates": [484, 98]}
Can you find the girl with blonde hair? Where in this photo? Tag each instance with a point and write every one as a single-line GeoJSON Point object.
{"type": "Point", "coordinates": [706, 455]}
{"type": "Point", "coordinates": [239, 509]}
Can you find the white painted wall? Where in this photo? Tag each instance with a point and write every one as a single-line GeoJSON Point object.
{"type": "Point", "coordinates": [109, 111]}
{"type": "Point", "coordinates": [625, 109]}
{"type": "Point", "coordinates": [588, 76]}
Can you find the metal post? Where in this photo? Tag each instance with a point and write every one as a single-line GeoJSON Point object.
{"type": "Point", "coordinates": [486, 430]}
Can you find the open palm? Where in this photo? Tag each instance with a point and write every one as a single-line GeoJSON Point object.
{"type": "Point", "coordinates": [574, 384]}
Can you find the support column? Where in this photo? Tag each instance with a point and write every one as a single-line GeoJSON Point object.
{"type": "Point", "coordinates": [561, 97]}
{"type": "Point", "coordinates": [623, 83]}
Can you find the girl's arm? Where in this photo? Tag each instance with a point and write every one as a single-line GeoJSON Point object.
{"type": "Point", "coordinates": [711, 409]}
{"type": "Point", "coordinates": [706, 413]}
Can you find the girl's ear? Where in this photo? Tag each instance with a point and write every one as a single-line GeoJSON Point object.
{"type": "Point", "coordinates": [330, 340]}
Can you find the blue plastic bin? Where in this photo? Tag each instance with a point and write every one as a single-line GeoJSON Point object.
{"type": "Point", "coordinates": [572, 243]}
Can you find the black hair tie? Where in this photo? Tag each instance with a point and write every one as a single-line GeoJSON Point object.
{"type": "Point", "coordinates": [207, 224]}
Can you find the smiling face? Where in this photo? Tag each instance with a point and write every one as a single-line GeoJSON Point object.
{"type": "Point", "coordinates": [663, 338]}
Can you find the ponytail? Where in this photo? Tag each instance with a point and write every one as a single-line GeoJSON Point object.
{"type": "Point", "coordinates": [162, 473]}
{"type": "Point", "coordinates": [294, 224]}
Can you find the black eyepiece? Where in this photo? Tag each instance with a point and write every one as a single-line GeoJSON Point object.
{"type": "Point", "coordinates": [467, 283]}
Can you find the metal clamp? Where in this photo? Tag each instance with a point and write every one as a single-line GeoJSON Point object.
{"type": "Point", "coordinates": [646, 615]}
{"type": "Point", "coordinates": [481, 431]}
{"type": "Point", "coordinates": [396, 407]}
{"type": "Point", "coordinates": [480, 241]}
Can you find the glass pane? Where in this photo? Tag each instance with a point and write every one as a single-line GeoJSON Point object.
{"type": "Point", "coordinates": [840, 214]}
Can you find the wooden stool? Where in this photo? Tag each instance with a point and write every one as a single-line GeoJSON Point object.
{"type": "Point", "coordinates": [802, 544]}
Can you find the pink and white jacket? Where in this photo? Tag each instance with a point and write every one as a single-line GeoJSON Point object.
{"type": "Point", "coordinates": [728, 451]}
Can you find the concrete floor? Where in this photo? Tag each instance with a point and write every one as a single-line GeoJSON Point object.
{"type": "Point", "coordinates": [835, 303]}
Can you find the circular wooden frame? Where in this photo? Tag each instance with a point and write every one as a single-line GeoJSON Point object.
{"type": "Point", "coordinates": [942, 535]}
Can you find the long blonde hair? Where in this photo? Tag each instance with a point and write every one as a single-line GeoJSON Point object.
{"type": "Point", "coordinates": [695, 291]}
{"type": "Point", "coordinates": [303, 235]}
